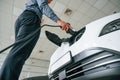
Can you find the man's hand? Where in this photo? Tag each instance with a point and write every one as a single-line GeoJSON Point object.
{"type": "Point", "coordinates": [64, 26]}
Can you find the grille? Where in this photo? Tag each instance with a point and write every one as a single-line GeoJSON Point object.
{"type": "Point", "coordinates": [93, 63]}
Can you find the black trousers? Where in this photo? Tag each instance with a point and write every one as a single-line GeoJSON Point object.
{"type": "Point", "coordinates": [26, 23]}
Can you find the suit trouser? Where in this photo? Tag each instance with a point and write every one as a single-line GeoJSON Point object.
{"type": "Point", "coordinates": [26, 23]}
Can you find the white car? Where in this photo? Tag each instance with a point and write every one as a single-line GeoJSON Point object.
{"type": "Point", "coordinates": [92, 53]}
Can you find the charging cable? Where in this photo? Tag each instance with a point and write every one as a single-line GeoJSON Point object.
{"type": "Point", "coordinates": [70, 31]}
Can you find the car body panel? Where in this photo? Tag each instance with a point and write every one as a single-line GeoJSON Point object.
{"type": "Point", "coordinates": [89, 43]}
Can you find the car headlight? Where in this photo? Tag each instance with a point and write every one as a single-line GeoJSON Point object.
{"type": "Point", "coordinates": [110, 27]}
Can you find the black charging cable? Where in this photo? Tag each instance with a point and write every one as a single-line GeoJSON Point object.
{"type": "Point", "coordinates": [70, 31]}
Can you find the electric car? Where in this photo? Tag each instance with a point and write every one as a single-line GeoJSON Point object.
{"type": "Point", "coordinates": [91, 53]}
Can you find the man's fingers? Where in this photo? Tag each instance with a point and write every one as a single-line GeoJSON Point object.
{"type": "Point", "coordinates": [64, 26]}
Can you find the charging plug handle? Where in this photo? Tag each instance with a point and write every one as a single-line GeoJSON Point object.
{"type": "Point", "coordinates": [70, 31]}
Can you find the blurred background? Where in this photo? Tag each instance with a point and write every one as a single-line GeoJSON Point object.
{"type": "Point", "coordinates": [77, 12]}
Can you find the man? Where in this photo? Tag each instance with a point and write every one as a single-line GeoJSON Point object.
{"type": "Point", "coordinates": [27, 23]}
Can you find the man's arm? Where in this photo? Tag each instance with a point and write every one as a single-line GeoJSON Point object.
{"type": "Point", "coordinates": [46, 10]}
